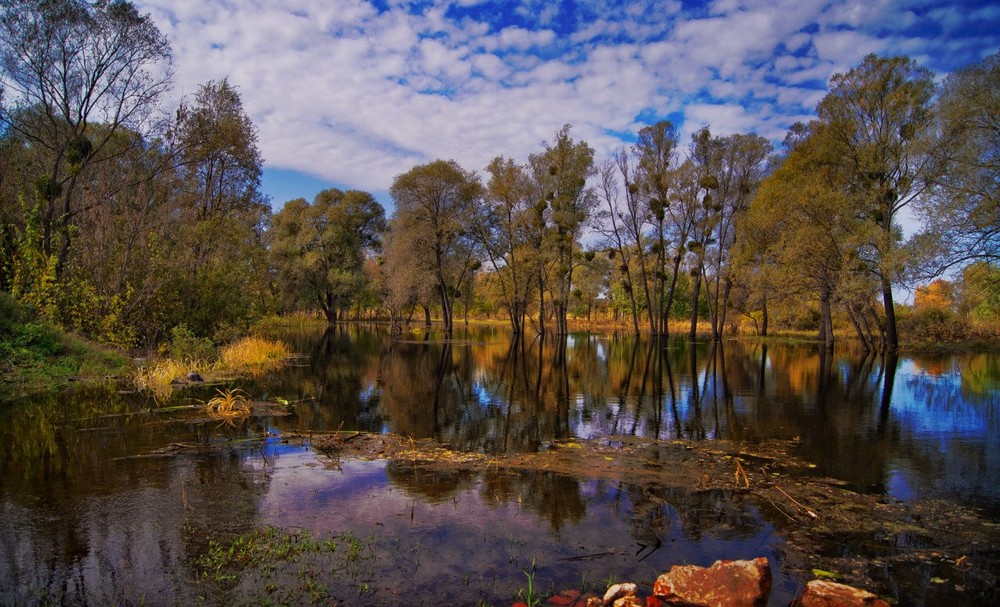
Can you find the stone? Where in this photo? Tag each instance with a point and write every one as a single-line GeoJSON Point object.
{"type": "Point", "coordinates": [194, 376]}
{"type": "Point", "coordinates": [629, 601]}
{"type": "Point", "coordinates": [822, 593]}
{"type": "Point", "coordinates": [724, 584]}
{"type": "Point", "coordinates": [619, 591]}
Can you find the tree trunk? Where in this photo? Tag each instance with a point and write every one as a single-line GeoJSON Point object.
{"type": "Point", "coordinates": [825, 321]}
{"type": "Point", "coordinates": [891, 338]}
{"type": "Point", "coordinates": [695, 291]}
{"type": "Point", "coordinates": [763, 319]}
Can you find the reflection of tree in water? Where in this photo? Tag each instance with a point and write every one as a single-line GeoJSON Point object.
{"type": "Point", "coordinates": [433, 486]}
{"type": "Point", "coordinates": [555, 497]}
{"type": "Point", "coordinates": [487, 392]}
{"type": "Point", "coordinates": [334, 385]}
{"type": "Point", "coordinates": [124, 530]}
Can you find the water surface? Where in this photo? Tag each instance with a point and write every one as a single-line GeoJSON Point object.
{"type": "Point", "coordinates": [109, 497]}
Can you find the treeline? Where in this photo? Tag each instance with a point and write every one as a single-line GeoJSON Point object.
{"type": "Point", "coordinates": [122, 220]}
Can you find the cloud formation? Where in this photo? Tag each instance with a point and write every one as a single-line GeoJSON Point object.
{"type": "Point", "coordinates": [356, 92]}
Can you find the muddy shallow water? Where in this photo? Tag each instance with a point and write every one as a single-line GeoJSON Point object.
{"type": "Point", "coordinates": [113, 498]}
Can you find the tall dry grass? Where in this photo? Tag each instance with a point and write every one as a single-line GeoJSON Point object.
{"type": "Point", "coordinates": [254, 355]}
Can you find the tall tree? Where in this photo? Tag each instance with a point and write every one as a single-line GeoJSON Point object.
{"type": "Point", "coordinates": [963, 215]}
{"type": "Point", "coordinates": [800, 230]}
{"type": "Point", "coordinates": [435, 203]}
{"type": "Point", "coordinates": [319, 249]}
{"type": "Point", "coordinates": [613, 224]}
{"type": "Point", "coordinates": [503, 230]}
{"type": "Point", "coordinates": [220, 261]}
{"type": "Point", "coordinates": [67, 66]}
{"type": "Point", "coordinates": [654, 153]}
{"type": "Point", "coordinates": [742, 162]}
{"type": "Point", "coordinates": [561, 172]}
{"type": "Point", "coordinates": [879, 118]}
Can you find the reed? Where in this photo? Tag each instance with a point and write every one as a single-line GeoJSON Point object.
{"type": "Point", "coordinates": [254, 355]}
{"type": "Point", "coordinates": [157, 377]}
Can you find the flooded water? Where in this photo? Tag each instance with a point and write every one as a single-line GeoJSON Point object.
{"type": "Point", "coordinates": [109, 497]}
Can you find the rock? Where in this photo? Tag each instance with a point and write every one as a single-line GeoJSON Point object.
{"type": "Point", "coordinates": [619, 591]}
{"type": "Point", "coordinates": [821, 593]}
{"type": "Point", "coordinates": [629, 601]}
{"type": "Point", "coordinates": [178, 382]}
{"type": "Point", "coordinates": [194, 376]}
{"type": "Point", "coordinates": [724, 584]}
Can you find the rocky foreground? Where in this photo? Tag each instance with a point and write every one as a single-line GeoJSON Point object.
{"type": "Point", "coordinates": [724, 584]}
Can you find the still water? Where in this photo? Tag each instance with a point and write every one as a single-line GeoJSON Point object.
{"type": "Point", "coordinates": [109, 497]}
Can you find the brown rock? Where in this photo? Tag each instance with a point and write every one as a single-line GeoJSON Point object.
{"type": "Point", "coordinates": [724, 584]}
{"type": "Point", "coordinates": [821, 593]}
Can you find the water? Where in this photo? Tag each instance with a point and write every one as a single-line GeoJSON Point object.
{"type": "Point", "coordinates": [109, 497]}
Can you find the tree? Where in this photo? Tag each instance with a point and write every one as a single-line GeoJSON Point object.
{"type": "Point", "coordinates": [561, 172]}
{"type": "Point", "coordinates": [67, 66]}
{"type": "Point", "coordinates": [879, 118]}
{"type": "Point", "coordinates": [963, 215]}
{"type": "Point", "coordinates": [741, 166]}
{"type": "Point", "coordinates": [434, 204]}
{"type": "Point", "coordinates": [800, 232]}
{"type": "Point", "coordinates": [937, 295]}
{"type": "Point", "coordinates": [654, 153]}
{"type": "Point", "coordinates": [220, 261]}
{"type": "Point", "coordinates": [706, 160]}
{"type": "Point", "coordinates": [319, 250]}
{"type": "Point", "coordinates": [613, 223]}
{"type": "Point", "coordinates": [503, 230]}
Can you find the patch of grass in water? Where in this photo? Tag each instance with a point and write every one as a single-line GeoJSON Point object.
{"type": "Point", "coordinates": [269, 564]}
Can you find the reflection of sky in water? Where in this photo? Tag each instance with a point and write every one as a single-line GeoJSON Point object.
{"type": "Point", "coordinates": [441, 528]}
{"type": "Point", "coordinates": [947, 441]}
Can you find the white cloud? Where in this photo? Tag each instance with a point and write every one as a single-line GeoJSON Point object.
{"type": "Point", "coordinates": [357, 95]}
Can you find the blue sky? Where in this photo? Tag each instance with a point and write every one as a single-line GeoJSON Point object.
{"type": "Point", "coordinates": [350, 93]}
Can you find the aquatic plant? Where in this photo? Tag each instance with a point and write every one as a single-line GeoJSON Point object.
{"type": "Point", "coordinates": [159, 376]}
{"type": "Point", "coordinates": [230, 406]}
{"type": "Point", "coordinates": [528, 594]}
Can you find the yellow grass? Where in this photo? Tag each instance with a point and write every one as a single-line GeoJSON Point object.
{"type": "Point", "coordinates": [230, 406]}
{"type": "Point", "coordinates": [156, 377]}
{"type": "Point", "coordinates": [254, 355]}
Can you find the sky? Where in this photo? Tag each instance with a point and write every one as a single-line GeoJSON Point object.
{"type": "Point", "coordinates": [351, 93]}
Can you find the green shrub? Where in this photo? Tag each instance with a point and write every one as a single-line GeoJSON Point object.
{"type": "Point", "coordinates": [185, 345]}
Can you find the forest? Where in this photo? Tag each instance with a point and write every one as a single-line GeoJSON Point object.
{"type": "Point", "coordinates": [123, 219]}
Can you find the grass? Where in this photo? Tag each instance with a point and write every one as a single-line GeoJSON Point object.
{"type": "Point", "coordinates": [230, 406]}
{"type": "Point", "coordinates": [157, 377]}
{"type": "Point", "coordinates": [254, 355]}
{"type": "Point", "coordinates": [37, 358]}
{"type": "Point", "coordinates": [268, 565]}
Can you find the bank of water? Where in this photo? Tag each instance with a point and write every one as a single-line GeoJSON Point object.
{"type": "Point", "coordinates": [111, 497]}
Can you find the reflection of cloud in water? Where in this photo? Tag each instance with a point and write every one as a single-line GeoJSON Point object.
{"type": "Point", "coordinates": [437, 529]}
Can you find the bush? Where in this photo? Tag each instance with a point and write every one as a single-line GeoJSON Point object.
{"type": "Point", "coordinates": [932, 326]}
{"type": "Point", "coordinates": [185, 345]}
